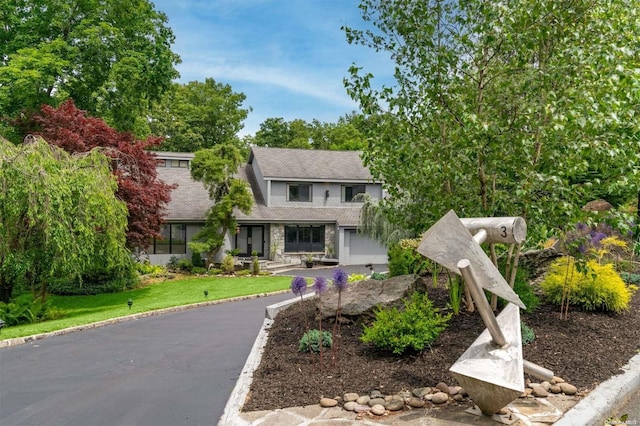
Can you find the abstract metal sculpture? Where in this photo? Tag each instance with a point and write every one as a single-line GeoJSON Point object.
{"type": "Point", "coordinates": [491, 369]}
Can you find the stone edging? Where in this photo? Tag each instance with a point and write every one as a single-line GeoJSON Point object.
{"type": "Point", "coordinates": [27, 339]}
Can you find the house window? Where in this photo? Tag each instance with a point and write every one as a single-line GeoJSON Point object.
{"type": "Point", "coordinates": [303, 238]}
{"type": "Point", "coordinates": [161, 163]}
{"type": "Point", "coordinates": [173, 241]}
{"type": "Point", "coordinates": [350, 191]}
{"type": "Point", "coordinates": [298, 192]}
{"type": "Point", "coordinates": [182, 164]}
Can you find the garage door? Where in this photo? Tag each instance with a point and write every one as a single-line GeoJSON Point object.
{"type": "Point", "coordinates": [363, 250]}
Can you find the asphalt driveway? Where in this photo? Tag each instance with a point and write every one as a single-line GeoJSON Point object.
{"type": "Point", "coordinates": [174, 369]}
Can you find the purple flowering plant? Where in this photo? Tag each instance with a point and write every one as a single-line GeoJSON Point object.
{"type": "Point", "coordinates": [299, 286]}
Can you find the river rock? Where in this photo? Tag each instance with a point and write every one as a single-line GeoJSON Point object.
{"type": "Point", "coordinates": [350, 405]}
{"type": "Point", "coordinates": [378, 409]}
{"type": "Point", "coordinates": [439, 398]}
{"type": "Point", "coordinates": [362, 408]}
{"type": "Point", "coordinates": [376, 401]}
{"type": "Point", "coordinates": [555, 389]}
{"type": "Point", "coordinates": [376, 394]}
{"type": "Point", "coordinates": [394, 404]}
{"type": "Point", "coordinates": [363, 400]}
{"type": "Point", "coordinates": [328, 402]}
{"type": "Point", "coordinates": [416, 402]}
{"type": "Point", "coordinates": [539, 392]}
{"type": "Point", "coordinates": [421, 392]}
{"type": "Point", "coordinates": [443, 387]}
{"type": "Point", "coordinates": [351, 396]}
{"type": "Point", "coordinates": [568, 389]}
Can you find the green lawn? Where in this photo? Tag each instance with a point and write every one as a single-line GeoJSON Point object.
{"type": "Point", "coordinates": [80, 310]}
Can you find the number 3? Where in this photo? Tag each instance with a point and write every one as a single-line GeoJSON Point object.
{"type": "Point", "coordinates": [503, 232]}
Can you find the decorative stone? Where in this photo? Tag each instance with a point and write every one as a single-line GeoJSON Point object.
{"type": "Point", "coordinates": [439, 398]}
{"type": "Point", "coordinates": [539, 392]}
{"type": "Point", "coordinates": [394, 404]}
{"type": "Point", "coordinates": [442, 387]}
{"type": "Point", "coordinates": [376, 394]}
{"type": "Point", "coordinates": [404, 394]}
{"type": "Point", "coordinates": [363, 400]}
{"type": "Point", "coordinates": [533, 385]}
{"type": "Point", "coordinates": [351, 396]}
{"type": "Point", "coordinates": [328, 402]}
{"type": "Point", "coordinates": [545, 385]}
{"type": "Point", "coordinates": [558, 379]}
{"type": "Point", "coordinates": [421, 392]}
{"type": "Point", "coordinates": [362, 408]}
{"type": "Point", "coordinates": [453, 390]}
{"type": "Point", "coordinates": [555, 389]}
{"type": "Point", "coordinates": [416, 402]}
{"type": "Point", "coordinates": [376, 401]}
{"type": "Point", "coordinates": [378, 409]}
{"type": "Point", "coordinates": [458, 398]}
{"type": "Point", "coordinates": [503, 411]}
{"type": "Point", "coordinates": [350, 405]}
{"type": "Point", "coordinates": [568, 389]}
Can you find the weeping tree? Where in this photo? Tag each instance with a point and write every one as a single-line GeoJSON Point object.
{"type": "Point", "coordinates": [524, 108]}
{"type": "Point", "coordinates": [59, 216]}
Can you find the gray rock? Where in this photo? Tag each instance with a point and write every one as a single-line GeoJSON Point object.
{"type": "Point", "coordinates": [378, 409]}
{"type": "Point", "coordinates": [404, 394]}
{"type": "Point", "coordinates": [453, 390]}
{"type": "Point", "coordinates": [363, 400]}
{"type": "Point", "coordinates": [363, 296]}
{"type": "Point", "coordinates": [362, 408]}
{"type": "Point", "coordinates": [439, 398]}
{"type": "Point", "coordinates": [394, 404]}
{"type": "Point", "coordinates": [416, 402]}
{"type": "Point", "coordinates": [351, 396]}
{"type": "Point", "coordinates": [350, 405]}
{"type": "Point", "coordinates": [376, 394]}
{"type": "Point", "coordinates": [458, 397]}
{"type": "Point", "coordinates": [568, 389]}
{"type": "Point", "coordinates": [421, 392]}
{"type": "Point", "coordinates": [376, 401]}
{"type": "Point", "coordinates": [328, 402]}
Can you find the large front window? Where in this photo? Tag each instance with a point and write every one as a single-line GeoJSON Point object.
{"type": "Point", "coordinates": [304, 238]}
{"type": "Point", "coordinates": [173, 241]}
{"type": "Point", "coordinates": [298, 192]}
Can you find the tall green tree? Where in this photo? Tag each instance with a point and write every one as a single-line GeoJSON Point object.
{"type": "Point", "coordinates": [113, 57]}
{"type": "Point", "coordinates": [216, 168]}
{"type": "Point", "coordinates": [198, 115]}
{"type": "Point", "coordinates": [502, 108]}
{"type": "Point", "coordinates": [59, 216]}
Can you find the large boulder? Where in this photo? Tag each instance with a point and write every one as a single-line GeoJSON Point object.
{"type": "Point", "coordinates": [361, 297]}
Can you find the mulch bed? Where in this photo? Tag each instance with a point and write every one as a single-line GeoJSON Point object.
{"type": "Point", "coordinates": [585, 350]}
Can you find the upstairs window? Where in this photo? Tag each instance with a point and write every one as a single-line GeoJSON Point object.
{"type": "Point", "coordinates": [298, 192]}
{"type": "Point", "coordinates": [350, 191]}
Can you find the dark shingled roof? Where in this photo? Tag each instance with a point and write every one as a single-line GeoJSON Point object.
{"type": "Point", "coordinates": [310, 164]}
{"type": "Point", "coordinates": [190, 200]}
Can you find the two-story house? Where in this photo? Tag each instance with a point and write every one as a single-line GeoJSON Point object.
{"type": "Point", "coordinates": [303, 204]}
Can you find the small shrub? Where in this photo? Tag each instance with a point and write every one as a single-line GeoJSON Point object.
{"type": "Point", "coordinates": [146, 268]}
{"type": "Point", "coordinates": [24, 309]}
{"type": "Point", "coordinates": [352, 278]}
{"type": "Point", "coordinates": [255, 264]}
{"type": "Point", "coordinates": [199, 270]}
{"type": "Point", "coordinates": [214, 271]}
{"type": "Point", "coordinates": [380, 276]}
{"type": "Point", "coordinates": [95, 282]}
{"type": "Point", "coordinates": [173, 263]}
{"type": "Point", "coordinates": [599, 287]}
{"type": "Point", "coordinates": [404, 259]}
{"type": "Point", "coordinates": [310, 341]}
{"type": "Point", "coordinates": [185, 265]}
{"type": "Point", "coordinates": [196, 260]}
{"type": "Point", "coordinates": [528, 335]}
{"type": "Point", "coordinates": [414, 327]}
{"type": "Point", "coordinates": [228, 264]}
{"type": "Point", "coordinates": [629, 278]}
{"type": "Point", "coordinates": [243, 272]}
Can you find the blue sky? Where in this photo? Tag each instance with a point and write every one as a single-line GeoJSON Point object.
{"type": "Point", "coordinates": [288, 57]}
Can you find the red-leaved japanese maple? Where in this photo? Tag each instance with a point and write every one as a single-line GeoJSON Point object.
{"type": "Point", "coordinates": [138, 185]}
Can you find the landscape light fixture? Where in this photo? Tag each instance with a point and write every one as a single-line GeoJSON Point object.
{"type": "Point", "coordinates": [206, 293]}
{"type": "Point", "coordinates": [130, 302]}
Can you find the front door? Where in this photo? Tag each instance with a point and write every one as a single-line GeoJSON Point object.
{"type": "Point", "coordinates": [250, 238]}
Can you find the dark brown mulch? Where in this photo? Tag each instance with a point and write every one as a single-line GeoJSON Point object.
{"type": "Point", "coordinates": [585, 350]}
